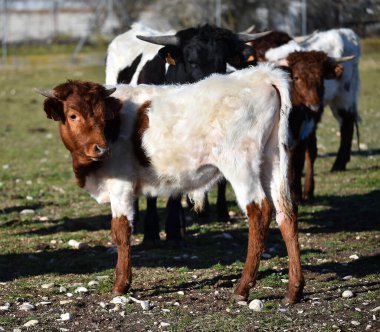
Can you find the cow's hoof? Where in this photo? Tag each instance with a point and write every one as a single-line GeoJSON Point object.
{"type": "Point", "coordinates": [150, 244]}
{"type": "Point", "coordinates": [337, 167]}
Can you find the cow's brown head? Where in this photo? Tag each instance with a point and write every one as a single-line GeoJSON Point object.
{"type": "Point", "coordinates": [88, 119]}
{"type": "Point", "coordinates": [308, 70]}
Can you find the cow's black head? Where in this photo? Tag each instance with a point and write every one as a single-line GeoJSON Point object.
{"type": "Point", "coordinates": [195, 53]}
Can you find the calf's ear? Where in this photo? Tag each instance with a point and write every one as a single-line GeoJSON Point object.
{"type": "Point", "coordinates": [332, 70]}
{"type": "Point", "coordinates": [54, 109]}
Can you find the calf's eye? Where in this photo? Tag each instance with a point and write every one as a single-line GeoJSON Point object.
{"type": "Point", "coordinates": [73, 116]}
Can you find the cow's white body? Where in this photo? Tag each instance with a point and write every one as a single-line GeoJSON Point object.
{"type": "Point", "coordinates": [126, 47]}
{"type": "Point", "coordinates": [222, 125]}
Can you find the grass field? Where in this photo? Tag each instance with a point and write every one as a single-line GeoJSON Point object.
{"type": "Point", "coordinates": [36, 174]}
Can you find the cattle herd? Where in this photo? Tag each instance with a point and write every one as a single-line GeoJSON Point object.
{"type": "Point", "coordinates": [182, 111]}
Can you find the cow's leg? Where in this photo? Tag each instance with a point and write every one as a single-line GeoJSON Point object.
{"type": "Point", "coordinates": [310, 156]}
{"type": "Point", "coordinates": [259, 217]}
{"type": "Point", "coordinates": [221, 203]}
{"type": "Point", "coordinates": [136, 214]}
{"type": "Point", "coordinates": [297, 160]}
{"type": "Point", "coordinates": [202, 216]}
{"type": "Point", "coordinates": [346, 134]}
{"type": "Point", "coordinates": [151, 222]}
{"type": "Point", "coordinates": [289, 231]}
{"type": "Point", "coordinates": [174, 220]}
{"type": "Point", "coordinates": [121, 236]}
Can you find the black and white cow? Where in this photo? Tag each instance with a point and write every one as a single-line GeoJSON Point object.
{"type": "Point", "coordinates": [185, 57]}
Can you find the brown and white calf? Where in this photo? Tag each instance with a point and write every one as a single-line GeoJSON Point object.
{"type": "Point", "coordinates": [308, 70]}
{"type": "Point", "coordinates": [163, 140]}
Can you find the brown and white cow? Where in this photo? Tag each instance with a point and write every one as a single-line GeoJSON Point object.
{"type": "Point", "coordinates": [308, 70]}
{"type": "Point", "coordinates": [164, 140]}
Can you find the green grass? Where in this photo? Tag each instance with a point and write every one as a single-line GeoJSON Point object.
{"type": "Point", "coordinates": [35, 172]}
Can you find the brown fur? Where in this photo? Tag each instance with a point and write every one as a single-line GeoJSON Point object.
{"type": "Point", "coordinates": [141, 124]}
{"type": "Point", "coordinates": [263, 44]}
{"type": "Point", "coordinates": [98, 122]}
{"type": "Point", "coordinates": [308, 70]}
{"type": "Point", "coordinates": [121, 234]}
{"type": "Point", "coordinates": [259, 218]}
{"type": "Point", "coordinates": [289, 232]}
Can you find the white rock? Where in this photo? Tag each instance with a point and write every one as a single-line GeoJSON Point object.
{"type": "Point", "coordinates": [16, 330]}
{"type": "Point", "coordinates": [347, 294]}
{"type": "Point", "coordinates": [347, 277]}
{"type": "Point", "coordinates": [120, 300]}
{"type": "Point", "coordinates": [77, 245]}
{"type": "Point", "coordinates": [27, 211]}
{"type": "Point", "coordinates": [44, 303]}
{"type": "Point", "coordinates": [181, 292]}
{"type": "Point", "coordinates": [44, 218]}
{"type": "Point", "coordinates": [376, 309]}
{"type": "Point", "coordinates": [66, 316]}
{"type": "Point", "coordinates": [355, 322]}
{"type": "Point", "coordinates": [93, 283]}
{"type": "Point", "coordinates": [354, 257]}
{"type": "Point", "coordinates": [81, 289]}
{"type": "Point", "coordinates": [65, 302]}
{"type": "Point", "coordinates": [100, 278]}
{"type": "Point", "coordinates": [46, 286]}
{"type": "Point", "coordinates": [69, 294]}
{"type": "Point", "coordinates": [5, 307]}
{"type": "Point", "coordinates": [165, 310]}
{"type": "Point", "coordinates": [62, 289]}
{"type": "Point", "coordinates": [145, 305]}
{"type": "Point", "coordinates": [27, 306]}
{"type": "Point", "coordinates": [242, 303]}
{"type": "Point", "coordinates": [164, 324]}
{"type": "Point", "coordinates": [32, 322]}
{"type": "Point", "coordinates": [103, 304]}
{"type": "Point", "coordinates": [256, 305]}
{"type": "Point", "coordinates": [29, 198]}
{"type": "Point", "coordinates": [284, 281]}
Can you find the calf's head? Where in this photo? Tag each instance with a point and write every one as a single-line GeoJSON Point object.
{"type": "Point", "coordinates": [307, 71]}
{"type": "Point", "coordinates": [88, 119]}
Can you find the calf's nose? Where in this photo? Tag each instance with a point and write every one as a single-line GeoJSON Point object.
{"type": "Point", "coordinates": [101, 150]}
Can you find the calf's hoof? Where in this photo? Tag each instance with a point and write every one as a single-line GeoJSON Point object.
{"type": "Point", "coordinates": [238, 298]}
{"type": "Point", "coordinates": [120, 289]}
{"type": "Point", "coordinates": [294, 294]}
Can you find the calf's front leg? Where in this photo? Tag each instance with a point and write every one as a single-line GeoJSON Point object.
{"type": "Point", "coordinates": [259, 218]}
{"type": "Point", "coordinates": [121, 236]}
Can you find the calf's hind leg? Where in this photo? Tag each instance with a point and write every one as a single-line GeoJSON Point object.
{"type": "Point", "coordinates": [289, 232]}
